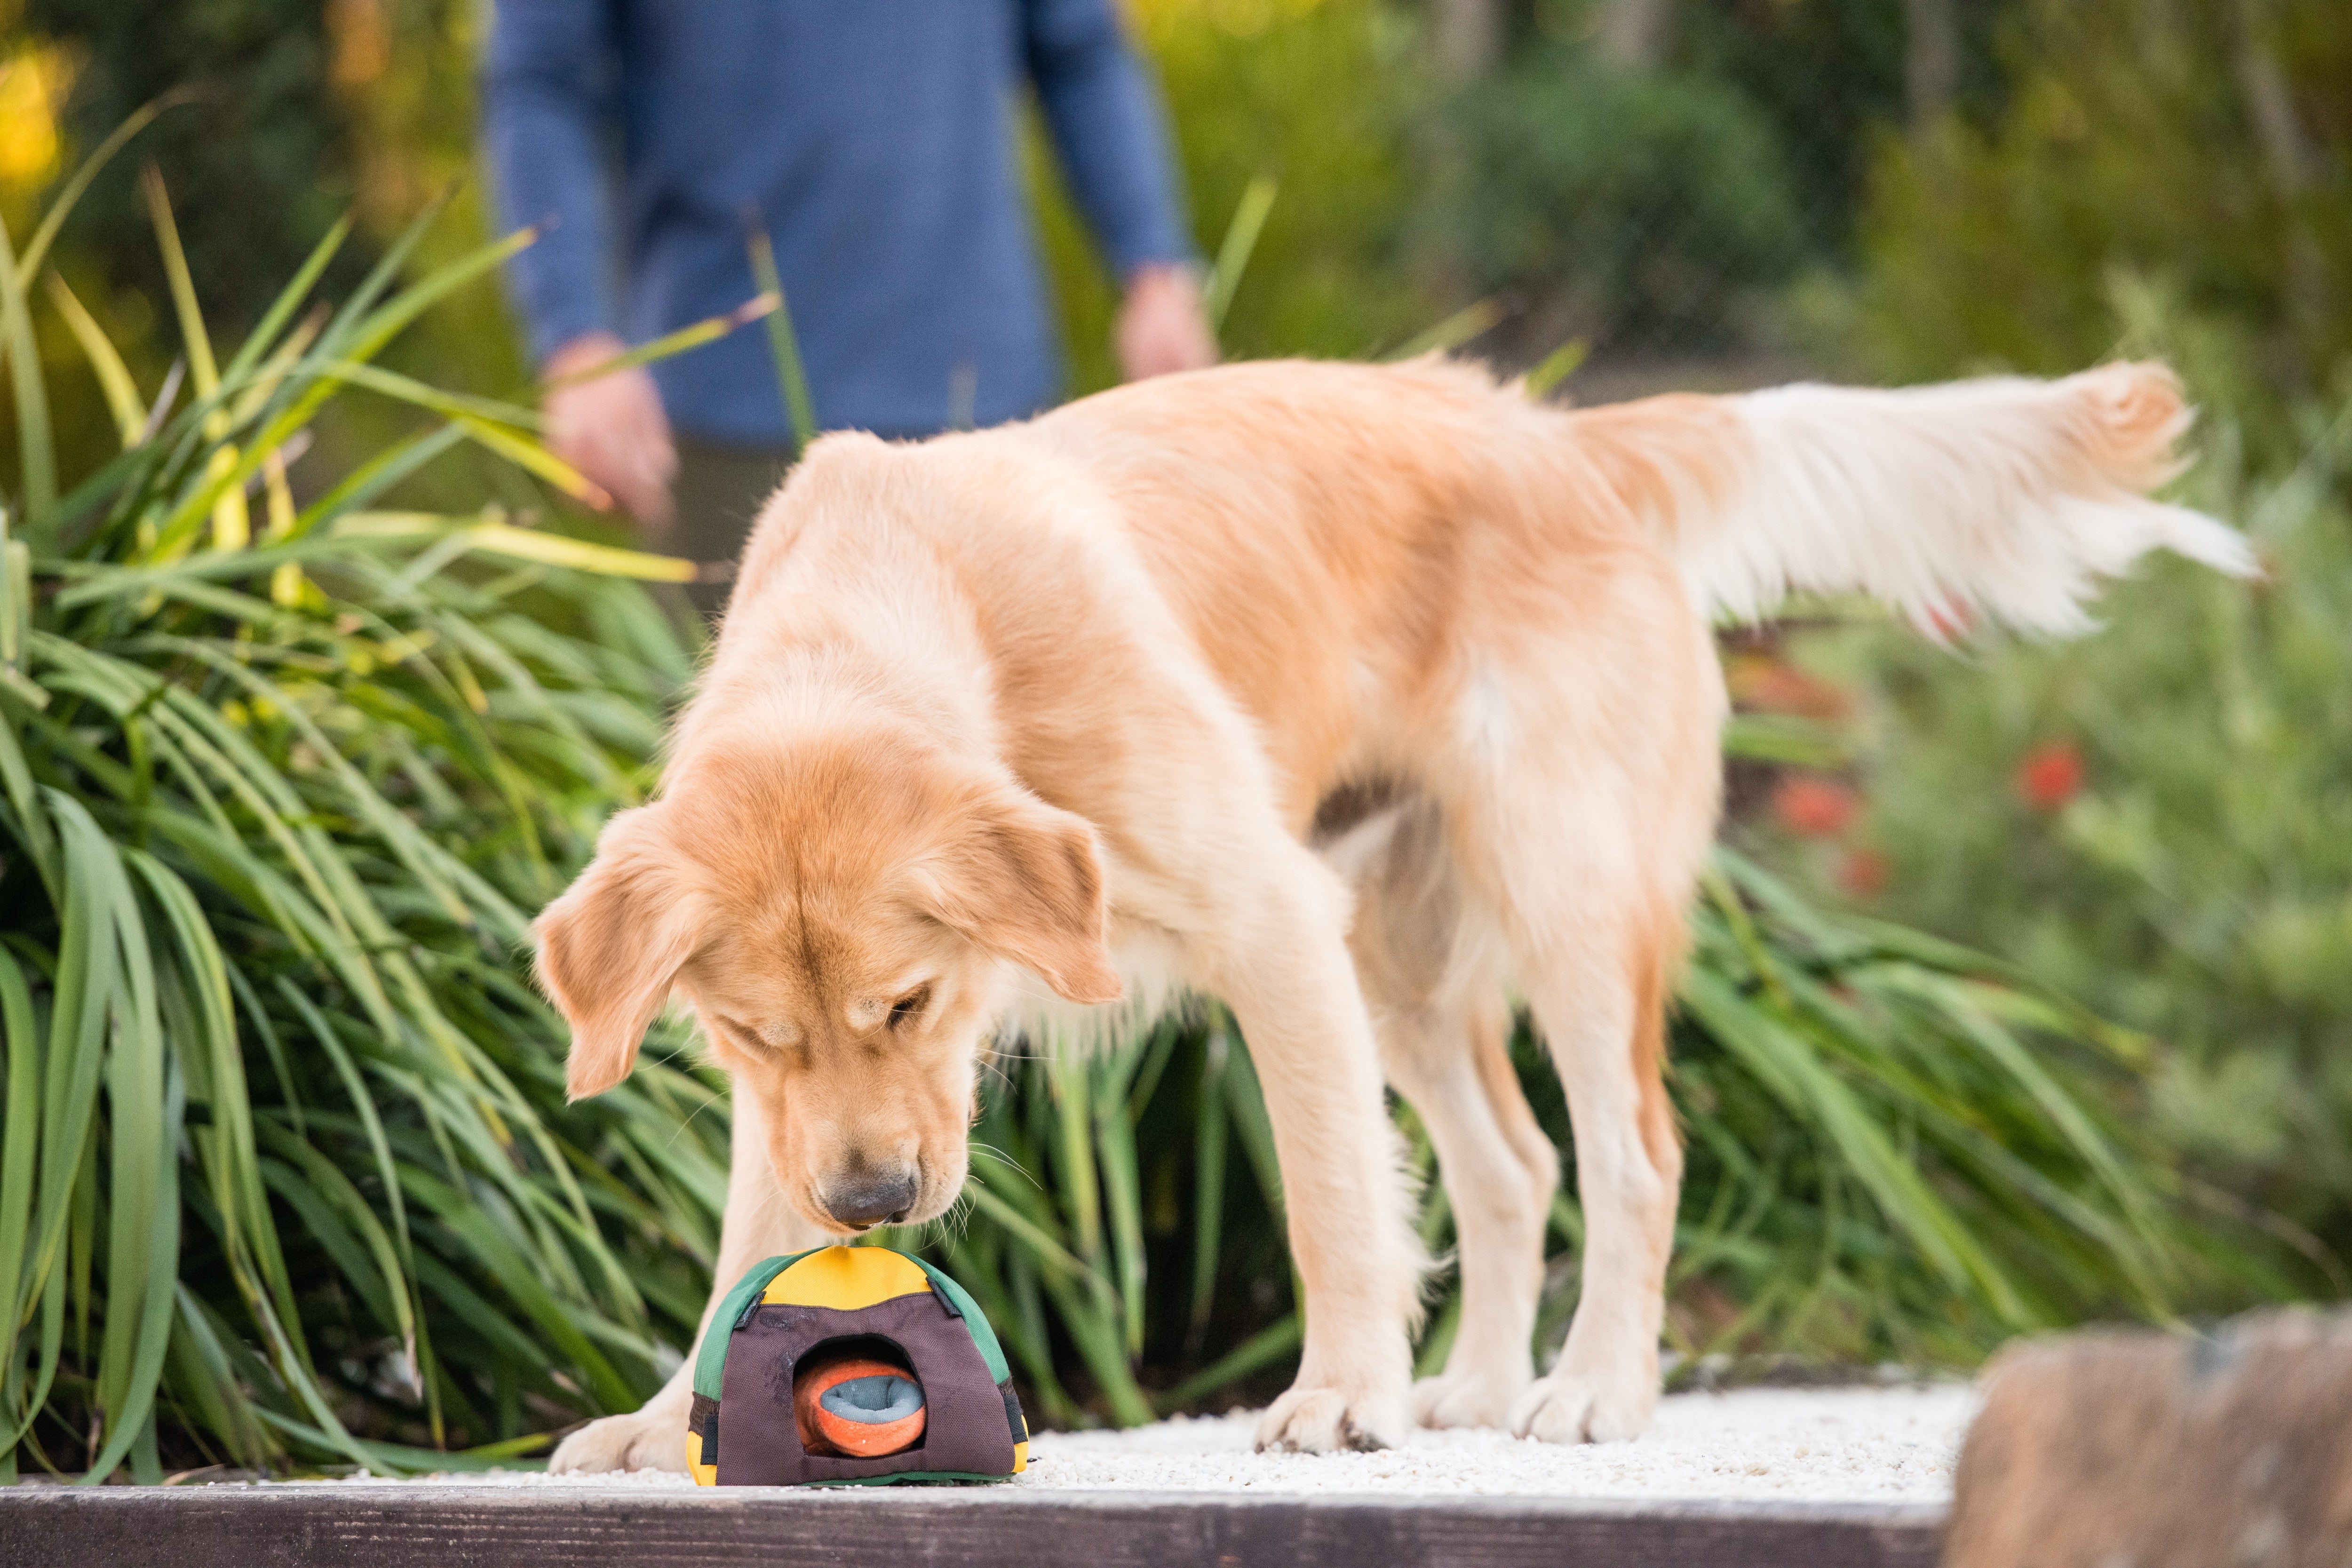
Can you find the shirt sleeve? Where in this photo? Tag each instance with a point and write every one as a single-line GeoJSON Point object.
{"type": "Point", "coordinates": [548, 104]}
{"type": "Point", "coordinates": [1109, 128]}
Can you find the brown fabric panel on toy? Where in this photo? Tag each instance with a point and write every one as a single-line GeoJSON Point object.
{"type": "Point", "coordinates": [703, 1418]}
{"type": "Point", "coordinates": [1013, 1421]}
{"type": "Point", "coordinates": [761, 1446]}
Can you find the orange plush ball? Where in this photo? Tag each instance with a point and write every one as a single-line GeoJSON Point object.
{"type": "Point", "coordinates": [856, 1406]}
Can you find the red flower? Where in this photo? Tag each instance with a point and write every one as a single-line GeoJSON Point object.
{"type": "Point", "coordinates": [1952, 620]}
{"type": "Point", "coordinates": [1766, 685]}
{"type": "Point", "coordinates": [1815, 806]}
{"type": "Point", "coordinates": [1863, 873]}
{"type": "Point", "coordinates": [2050, 776]}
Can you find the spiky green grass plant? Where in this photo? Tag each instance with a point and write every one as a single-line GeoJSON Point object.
{"type": "Point", "coordinates": [288, 1173]}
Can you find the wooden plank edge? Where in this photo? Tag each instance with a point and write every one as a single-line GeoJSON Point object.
{"type": "Point", "coordinates": [331, 1525]}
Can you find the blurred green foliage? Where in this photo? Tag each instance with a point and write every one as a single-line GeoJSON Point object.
{"type": "Point", "coordinates": [1320, 97]}
{"type": "Point", "coordinates": [2174, 179]}
{"type": "Point", "coordinates": [2156, 820]}
{"type": "Point", "coordinates": [1618, 205]}
{"type": "Point", "coordinates": [2205, 147]}
{"type": "Point", "coordinates": [257, 156]}
{"type": "Point", "coordinates": [286, 115]}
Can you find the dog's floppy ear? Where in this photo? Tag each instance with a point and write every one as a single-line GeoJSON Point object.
{"type": "Point", "coordinates": [1024, 881]}
{"type": "Point", "coordinates": [609, 948]}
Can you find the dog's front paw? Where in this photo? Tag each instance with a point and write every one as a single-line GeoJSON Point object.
{"type": "Point", "coordinates": [1571, 1407]}
{"type": "Point", "coordinates": [1481, 1398]}
{"type": "Point", "coordinates": [652, 1438]}
{"type": "Point", "coordinates": [1329, 1421]}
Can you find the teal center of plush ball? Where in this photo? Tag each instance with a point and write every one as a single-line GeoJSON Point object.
{"type": "Point", "coordinates": [874, 1400]}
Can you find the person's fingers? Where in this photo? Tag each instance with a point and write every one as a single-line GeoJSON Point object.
{"type": "Point", "coordinates": [622, 463]}
{"type": "Point", "coordinates": [593, 457]}
{"type": "Point", "coordinates": [643, 483]}
{"type": "Point", "coordinates": [613, 430]}
{"type": "Point", "coordinates": [1163, 328]}
{"type": "Point", "coordinates": [656, 460]}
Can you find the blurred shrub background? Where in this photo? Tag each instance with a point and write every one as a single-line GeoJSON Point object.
{"type": "Point", "coordinates": [1898, 1149]}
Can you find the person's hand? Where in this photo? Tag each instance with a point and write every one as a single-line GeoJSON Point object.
{"type": "Point", "coordinates": [613, 428]}
{"type": "Point", "coordinates": [1162, 326]}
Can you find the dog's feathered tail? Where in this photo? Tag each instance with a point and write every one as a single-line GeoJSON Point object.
{"type": "Point", "coordinates": [2003, 497]}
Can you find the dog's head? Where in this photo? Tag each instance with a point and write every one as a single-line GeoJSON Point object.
{"type": "Point", "coordinates": [845, 912]}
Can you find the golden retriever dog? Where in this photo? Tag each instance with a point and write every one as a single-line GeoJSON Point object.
{"type": "Point", "coordinates": [1370, 701]}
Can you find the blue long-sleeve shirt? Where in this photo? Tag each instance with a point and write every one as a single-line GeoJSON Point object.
{"type": "Point", "coordinates": [877, 140]}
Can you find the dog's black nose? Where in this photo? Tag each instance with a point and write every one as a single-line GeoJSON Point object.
{"type": "Point", "coordinates": [872, 1197]}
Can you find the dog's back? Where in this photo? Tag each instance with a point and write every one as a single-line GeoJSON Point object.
{"type": "Point", "coordinates": [1342, 541]}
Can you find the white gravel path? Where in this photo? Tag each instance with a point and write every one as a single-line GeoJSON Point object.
{"type": "Point", "coordinates": [1846, 1444]}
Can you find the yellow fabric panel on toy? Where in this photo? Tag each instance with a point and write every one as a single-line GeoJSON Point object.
{"type": "Point", "coordinates": [845, 1278]}
{"type": "Point", "coordinates": [1020, 1458]}
{"type": "Point", "coordinates": [708, 1475]}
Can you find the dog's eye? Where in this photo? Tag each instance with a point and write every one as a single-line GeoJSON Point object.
{"type": "Point", "coordinates": [744, 1037]}
{"type": "Point", "coordinates": [907, 1006]}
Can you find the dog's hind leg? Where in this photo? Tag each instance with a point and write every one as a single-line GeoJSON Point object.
{"type": "Point", "coordinates": [1500, 1172]}
{"type": "Point", "coordinates": [1582, 812]}
{"type": "Point", "coordinates": [1435, 986]}
{"type": "Point", "coordinates": [1591, 898]}
{"type": "Point", "coordinates": [1598, 996]}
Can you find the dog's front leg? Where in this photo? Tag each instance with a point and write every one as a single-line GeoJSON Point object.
{"type": "Point", "coordinates": [757, 1222]}
{"type": "Point", "coordinates": [1293, 989]}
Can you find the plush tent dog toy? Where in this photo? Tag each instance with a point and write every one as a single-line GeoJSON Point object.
{"type": "Point", "coordinates": [852, 1365]}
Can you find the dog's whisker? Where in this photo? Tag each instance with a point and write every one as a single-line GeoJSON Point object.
{"type": "Point", "coordinates": [688, 1120]}
{"type": "Point", "coordinates": [1010, 1163]}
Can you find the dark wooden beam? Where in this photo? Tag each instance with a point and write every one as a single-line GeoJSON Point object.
{"type": "Point", "coordinates": [455, 1526]}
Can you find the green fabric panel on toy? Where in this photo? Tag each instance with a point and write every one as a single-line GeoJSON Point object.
{"type": "Point", "coordinates": [712, 1358]}
{"type": "Point", "coordinates": [973, 1319]}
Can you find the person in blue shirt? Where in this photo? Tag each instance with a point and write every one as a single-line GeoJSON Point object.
{"type": "Point", "coordinates": [877, 143]}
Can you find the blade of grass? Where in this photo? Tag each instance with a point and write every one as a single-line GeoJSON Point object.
{"type": "Point", "coordinates": [20, 1130]}
{"type": "Point", "coordinates": [1246, 1102]}
{"type": "Point", "coordinates": [1556, 367]}
{"type": "Point", "coordinates": [232, 524]}
{"type": "Point", "coordinates": [375, 476]}
{"type": "Point", "coordinates": [1081, 1185]}
{"type": "Point", "coordinates": [114, 376]}
{"type": "Point", "coordinates": [1122, 1206]}
{"type": "Point", "coordinates": [1209, 1127]}
{"type": "Point", "coordinates": [1260, 1351]}
{"type": "Point", "coordinates": [709, 330]}
{"type": "Point", "coordinates": [784, 345]}
{"type": "Point", "coordinates": [37, 460]}
{"type": "Point", "coordinates": [193, 333]}
{"type": "Point", "coordinates": [1234, 253]}
{"type": "Point", "coordinates": [82, 994]}
{"type": "Point", "coordinates": [1472, 321]}
{"type": "Point", "coordinates": [450, 404]}
{"type": "Point", "coordinates": [274, 320]}
{"type": "Point", "coordinates": [526, 544]}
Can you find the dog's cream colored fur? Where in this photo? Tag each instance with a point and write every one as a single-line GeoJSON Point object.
{"type": "Point", "coordinates": [1364, 699]}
